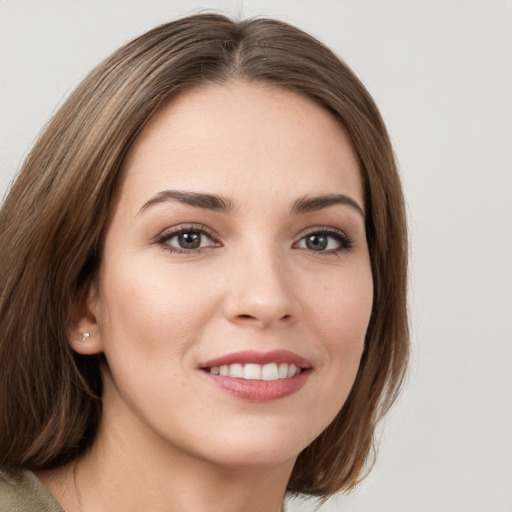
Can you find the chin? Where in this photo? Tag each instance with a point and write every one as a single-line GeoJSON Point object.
{"type": "Point", "coordinates": [260, 444]}
{"type": "Point", "coordinates": [243, 455]}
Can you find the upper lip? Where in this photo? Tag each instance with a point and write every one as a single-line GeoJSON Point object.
{"type": "Point", "coordinates": [255, 357]}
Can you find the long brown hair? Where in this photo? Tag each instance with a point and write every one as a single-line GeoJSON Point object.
{"type": "Point", "coordinates": [51, 226]}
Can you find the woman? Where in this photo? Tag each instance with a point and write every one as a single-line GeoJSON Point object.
{"type": "Point", "coordinates": [203, 279]}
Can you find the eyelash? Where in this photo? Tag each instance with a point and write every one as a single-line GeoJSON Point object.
{"type": "Point", "coordinates": [345, 242]}
{"type": "Point", "coordinates": [163, 239]}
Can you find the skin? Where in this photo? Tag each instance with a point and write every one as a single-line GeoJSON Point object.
{"type": "Point", "coordinates": [255, 284]}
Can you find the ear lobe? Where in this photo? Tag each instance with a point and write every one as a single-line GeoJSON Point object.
{"type": "Point", "coordinates": [83, 332]}
{"type": "Point", "coordinates": [86, 342]}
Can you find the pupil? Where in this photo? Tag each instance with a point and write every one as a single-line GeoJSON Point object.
{"type": "Point", "coordinates": [190, 240]}
{"type": "Point", "coordinates": [316, 242]}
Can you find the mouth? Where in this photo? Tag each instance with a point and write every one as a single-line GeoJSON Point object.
{"type": "Point", "coordinates": [253, 371]}
{"type": "Point", "coordinates": [258, 376]}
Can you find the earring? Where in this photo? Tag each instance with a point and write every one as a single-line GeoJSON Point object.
{"type": "Point", "coordinates": [85, 336]}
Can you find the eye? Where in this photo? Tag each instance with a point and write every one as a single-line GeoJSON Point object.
{"type": "Point", "coordinates": [184, 239]}
{"type": "Point", "coordinates": [325, 241]}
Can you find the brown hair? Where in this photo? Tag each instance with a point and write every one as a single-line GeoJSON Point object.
{"type": "Point", "coordinates": [51, 227]}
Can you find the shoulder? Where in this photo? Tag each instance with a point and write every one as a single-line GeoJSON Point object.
{"type": "Point", "coordinates": [25, 493]}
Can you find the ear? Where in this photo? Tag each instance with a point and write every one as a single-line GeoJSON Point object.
{"type": "Point", "coordinates": [83, 332]}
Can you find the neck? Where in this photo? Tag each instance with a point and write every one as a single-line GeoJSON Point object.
{"type": "Point", "coordinates": [150, 473]}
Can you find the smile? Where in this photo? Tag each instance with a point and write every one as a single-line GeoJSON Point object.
{"type": "Point", "coordinates": [258, 376]}
{"type": "Point", "coordinates": [252, 371]}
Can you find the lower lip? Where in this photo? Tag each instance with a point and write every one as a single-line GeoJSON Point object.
{"type": "Point", "coordinates": [260, 390]}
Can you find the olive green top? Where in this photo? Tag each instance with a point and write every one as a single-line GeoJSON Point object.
{"type": "Point", "coordinates": [26, 493]}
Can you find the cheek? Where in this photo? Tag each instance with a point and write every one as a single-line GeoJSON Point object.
{"type": "Point", "coordinates": [339, 312]}
{"type": "Point", "coordinates": [153, 307]}
{"type": "Point", "coordinates": [342, 314]}
{"type": "Point", "coordinates": [343, 308]}
{"type": "Point", "coordinates": [151, 316]}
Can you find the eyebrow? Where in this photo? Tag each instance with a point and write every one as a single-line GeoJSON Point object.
{"type": "Point", "coordinates": [195, 199]}
{"type": "Point", "coordinates": [314, 203]}
{"type": "Point", "coordinates": [218, 203]}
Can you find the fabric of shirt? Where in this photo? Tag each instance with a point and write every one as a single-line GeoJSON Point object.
{"type": "Point", "coordinates": [26, 493]}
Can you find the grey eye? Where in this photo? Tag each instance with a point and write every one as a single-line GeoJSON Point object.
{"type": "Point", "coordinates": [320, 242]}
{"type": "Point", "coordinates": [317, 242]}
{"type": "Point", "coordinates": [188, 240]}
{"type": "Point", "coordinates": [328, 241]}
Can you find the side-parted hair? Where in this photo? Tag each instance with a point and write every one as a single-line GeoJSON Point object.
{"type": "Point", "coordinates": [53, 219]}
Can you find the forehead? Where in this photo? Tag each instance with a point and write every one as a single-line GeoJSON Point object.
{"type": "Point", "coordinates": [238, 136]}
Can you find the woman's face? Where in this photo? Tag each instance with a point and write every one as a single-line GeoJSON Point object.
{"type": "Point", "coordinates": [235, 286]}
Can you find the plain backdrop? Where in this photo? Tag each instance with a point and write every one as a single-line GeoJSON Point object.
{"type": "Point", "coordinates": [441, 72]}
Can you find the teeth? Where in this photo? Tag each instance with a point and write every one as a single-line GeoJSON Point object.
{"type": "Point", "coordinates": [270, 372]}
{"type": "Point", "coordinates": [292, 370]}
{"type": "Point", "coordinates": [236, 370]}
{"type": "Point", "coordinates": [251, 371]}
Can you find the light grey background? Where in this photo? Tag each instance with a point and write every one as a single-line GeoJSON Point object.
{"type": "Point", "coordinates": [441, 72]}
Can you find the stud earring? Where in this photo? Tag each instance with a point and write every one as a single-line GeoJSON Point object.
{"type": "Point", "coordinates": [85, 336]}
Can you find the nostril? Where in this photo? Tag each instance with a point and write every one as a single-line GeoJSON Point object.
{"type": "Point", "coordinates": [245, 316]}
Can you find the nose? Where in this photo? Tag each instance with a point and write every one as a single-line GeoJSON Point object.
{"type": "Point", "coordinates": [261, 292]}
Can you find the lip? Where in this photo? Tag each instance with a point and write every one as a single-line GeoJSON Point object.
{"type": "Point", "coordinates": [259, 390]}
{"type": "Point", "coordinates": [252, 356]}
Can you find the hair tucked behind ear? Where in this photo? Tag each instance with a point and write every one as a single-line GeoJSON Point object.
{"type": "Point", "coordinates": [52, 221]}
